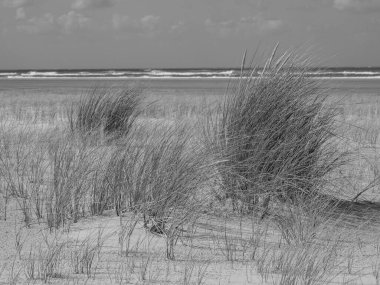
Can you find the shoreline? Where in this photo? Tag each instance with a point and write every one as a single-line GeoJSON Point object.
{"type": "Point", "coordinates": [179, 78]}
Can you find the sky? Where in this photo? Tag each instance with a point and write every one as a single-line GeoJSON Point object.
{"type": "Point", "coordinates": [54, 34]}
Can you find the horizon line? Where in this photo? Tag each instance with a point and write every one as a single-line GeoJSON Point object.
{"type": "Point", "coordinates": [182, 68]}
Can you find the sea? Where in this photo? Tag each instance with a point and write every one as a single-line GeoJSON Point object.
{"type": "Point", "coordinates": [200, 73]}
{"type": "Point", "coordinates": [359, 82]}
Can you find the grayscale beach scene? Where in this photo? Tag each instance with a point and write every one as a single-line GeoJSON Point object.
{"type": "Point", "coordinates": [190, 142]}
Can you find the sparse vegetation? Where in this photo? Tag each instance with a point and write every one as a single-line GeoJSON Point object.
{"type": "Point", "coordinates": [254, 195]}
{"type": "Point", "coordinates": [108, 111]}
{"type": "Point", "coordinates": [161, 178]}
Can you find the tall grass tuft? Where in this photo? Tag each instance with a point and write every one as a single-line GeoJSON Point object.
{"type": "Point", "coordinates": [276, 133]}
{"type": "Point", "coordinates": [110, 111]}
{"type": "Point", "coordinates": [71, 171]}
{"type": "Point", "coordinates": [161, 175]}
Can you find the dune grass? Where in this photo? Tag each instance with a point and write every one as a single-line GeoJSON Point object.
{"type": "Point", "coordinates": [110, 111]}
{"type": "Point", "coordinates": [276, 134]}
{"type": "Point", "coordinates": [161, 176]}
{"type": "Point", "coordinates": [161, 192]}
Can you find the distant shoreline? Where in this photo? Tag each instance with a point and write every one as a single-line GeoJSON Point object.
{"type": "Point", "coordinates": [109, 74]}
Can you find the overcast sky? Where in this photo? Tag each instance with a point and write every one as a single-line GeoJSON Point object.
{"type": "Point", "coordinates": [183, 33]}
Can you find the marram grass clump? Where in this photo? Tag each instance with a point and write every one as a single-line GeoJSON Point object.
{"type": "Point", "coordinates": [111, 111]}
{"type": "Point", "coordinates": [275, 132]}
{"type": "Point", "coordinates": [161, 174]}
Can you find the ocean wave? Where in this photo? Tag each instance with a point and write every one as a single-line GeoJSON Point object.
{"type": "Point", "coordinates": [3, 74]}
{"type": "Point", "coordinates": [364, 73]}
{"type": "Point", "coordinates": [200, 73]}
{"type": "Point", "coordinates": [173, 74]}
{"type": "Point", "coordinates": [120, 74]}
{"type": "Point", "coordinates": [347, 74]}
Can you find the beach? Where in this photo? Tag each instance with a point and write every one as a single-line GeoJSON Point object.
{"type": "Point", "coordinates": [343, 89]}
{"type": "Point", "coordinates": [42, 155]}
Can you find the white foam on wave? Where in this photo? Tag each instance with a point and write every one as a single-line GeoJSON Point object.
{"type": "Point", "coordinates": [40, 73]}
{"type": "Point", "coordinates": [8, 73]}
{"type": "Point", "coordinates": [174, 74]}
{"type": "Point", "coordinates": [120, 78]}
{"type": "Point", "coordinates": [358, 73]}
{"type": "Point", "coordinates": [195, 73]}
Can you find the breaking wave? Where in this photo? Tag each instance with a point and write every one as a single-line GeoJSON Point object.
{"type": "Point", "coordinates": [174, 73]}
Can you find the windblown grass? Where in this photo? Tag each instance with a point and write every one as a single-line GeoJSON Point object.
{"type": "Point", "coordinates": [110, 111]}
{"type": "Point", "coordinates": [273, 139]}
{"type": "Point", "coordinates": [276, 134]}
{"type": "Point", "coordinates": [161, 178]}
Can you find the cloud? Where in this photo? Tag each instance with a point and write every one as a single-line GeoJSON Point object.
{"type": "Point", "coordinates": [48, 23]}
{"type": "Point", "coordinates": [20, 13]}
{"type": "Point", "coordinates": [92, 4]}
{"type": "Point", "coordinates": [244, 25]}
{"type": "Point", "coordinates": [148, 25]}
{"type": "Point", "coordinates": [73, 21]}
{"type": "Point", "coordinates": [39, 25]}
{"type": "Point", "coordinates": [223, 29]}
{"type": "Point", "coordinates": [177, 28]}
{"type": "Point", "coordinates": [121, 22]}
{"type": "Point", "coordinates": [357, 5]}
{"type": "Point", "coordinates": [150, 22]}
{"type": "Point", "coordinates": [17, 3]}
